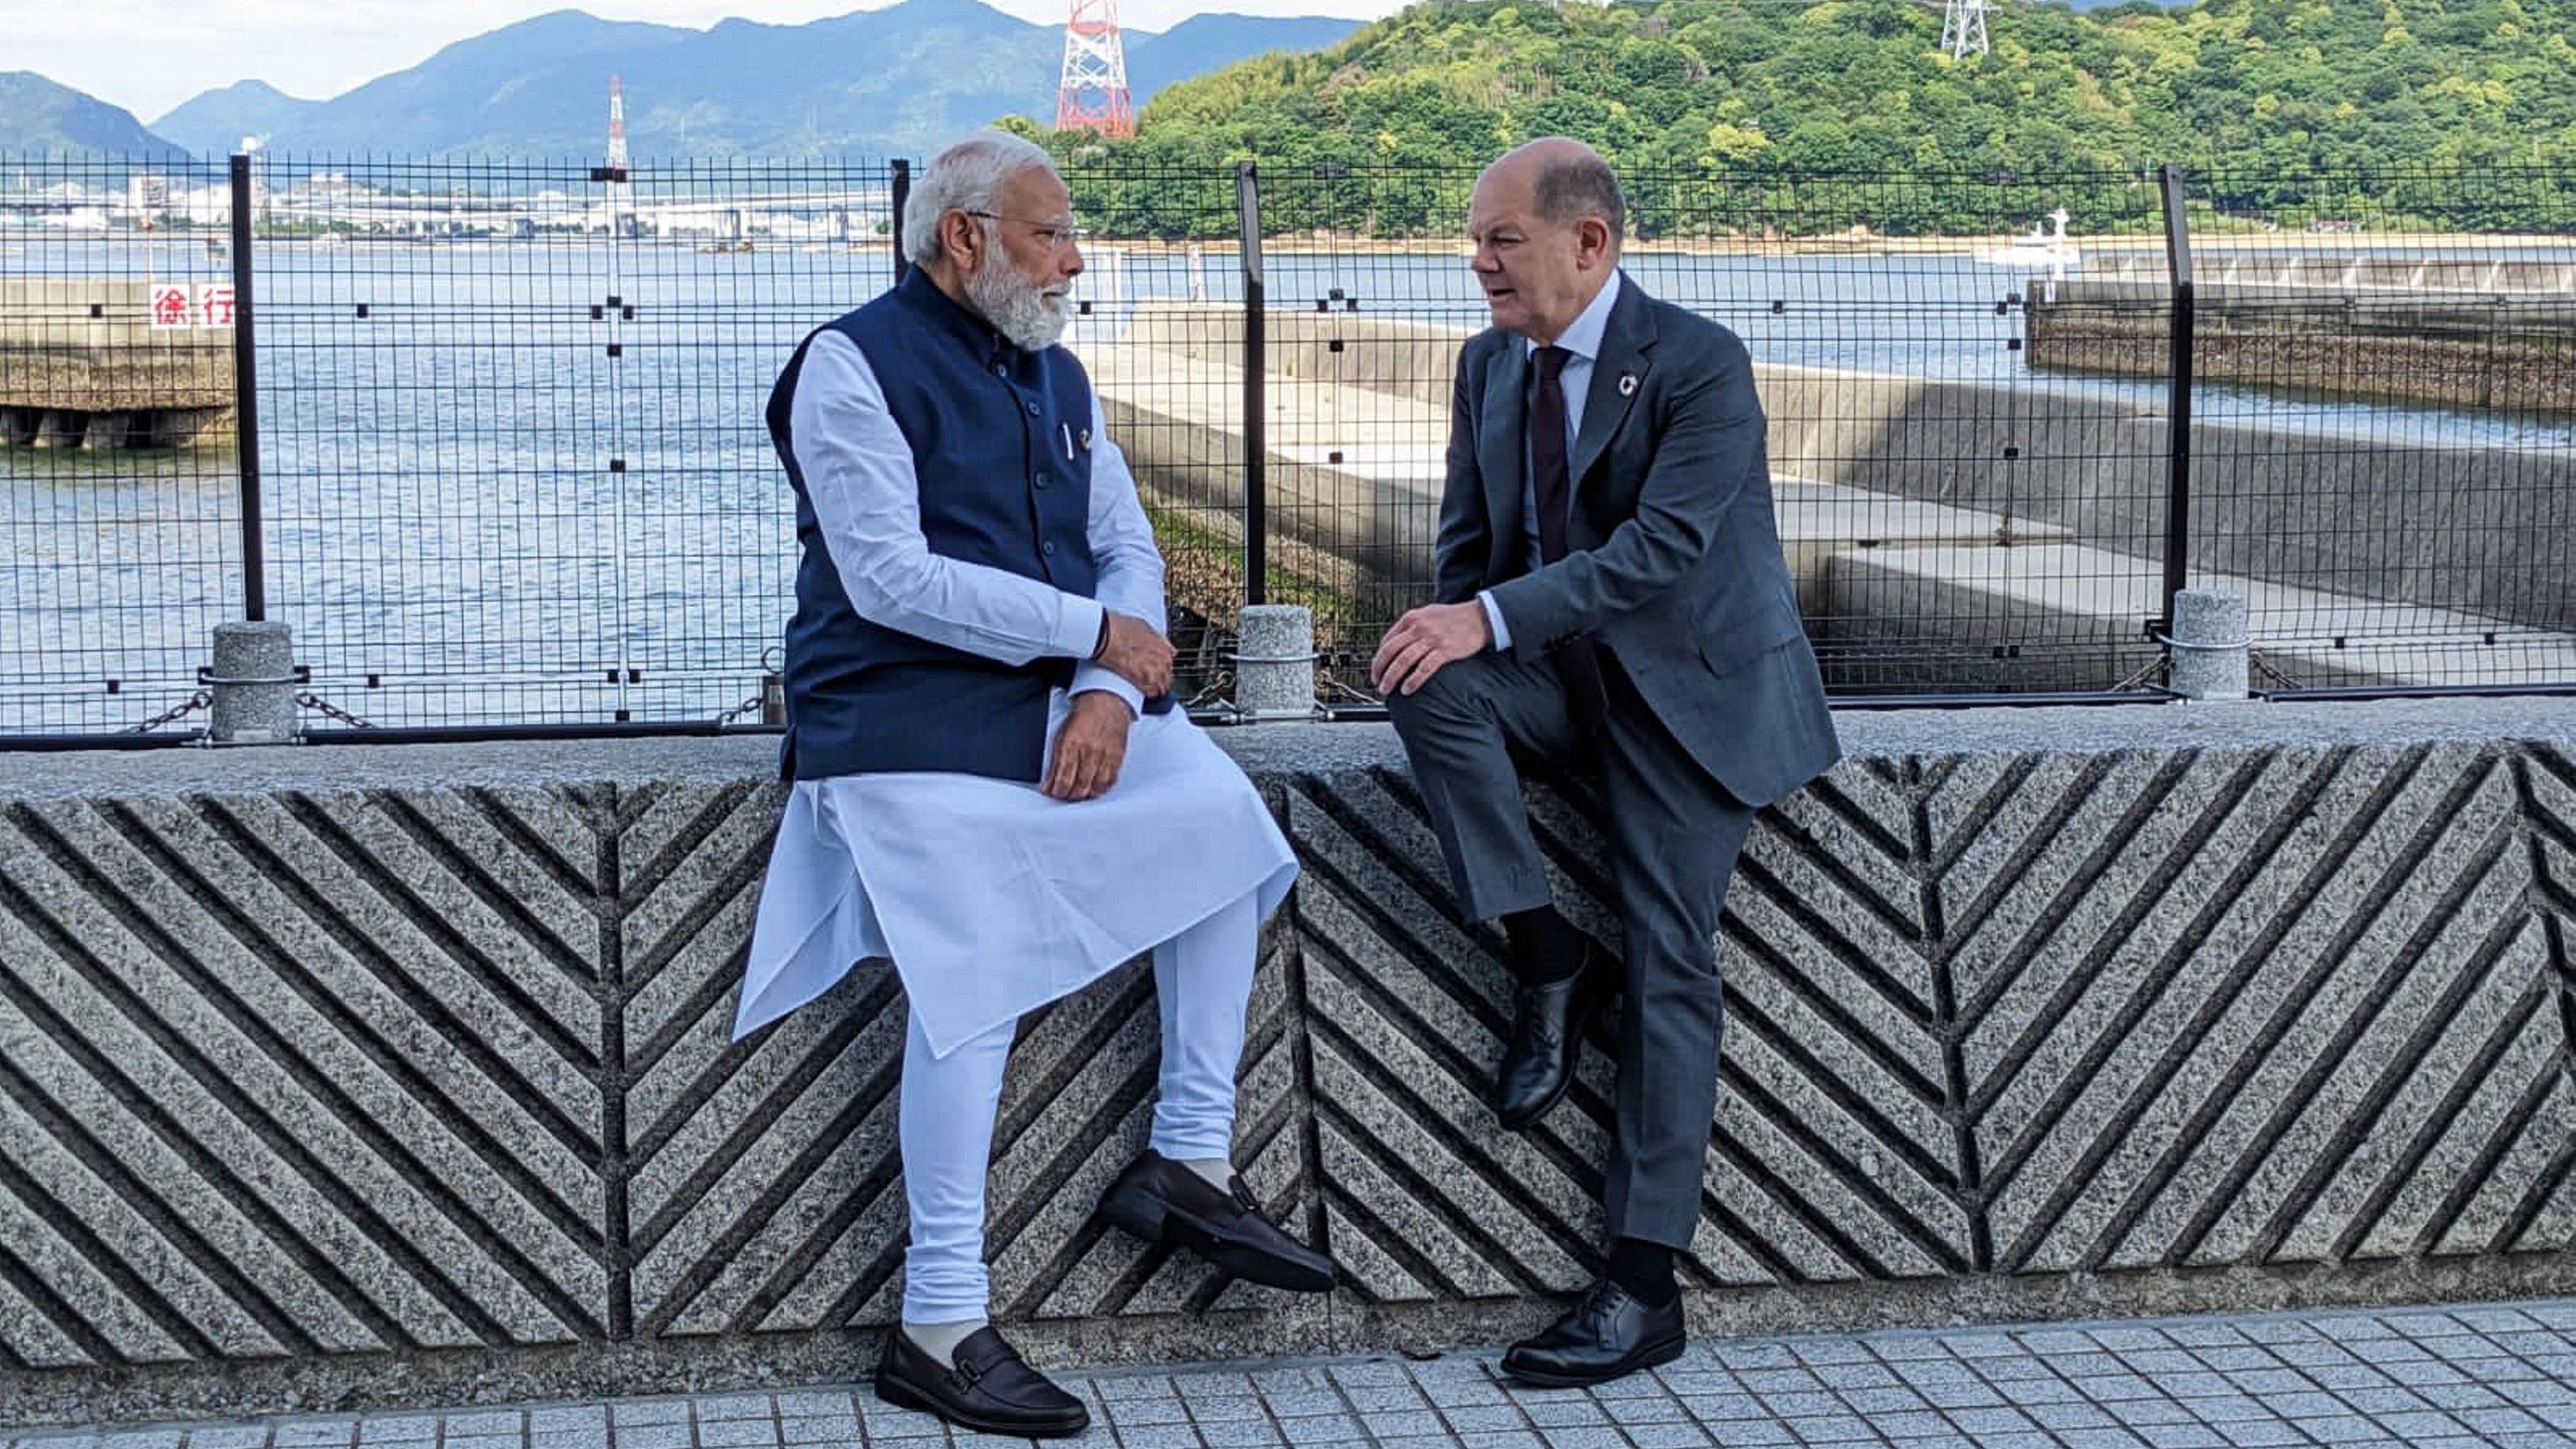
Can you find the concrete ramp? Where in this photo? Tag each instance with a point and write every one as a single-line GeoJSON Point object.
{"type": "Point", "coordinates": [2063, 615]}
{"type": "Point", "coordinates": [1356, 474]}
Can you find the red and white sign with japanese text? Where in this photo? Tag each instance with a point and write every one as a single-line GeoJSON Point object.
{"type": "Point", "coordinates": [170, 309]}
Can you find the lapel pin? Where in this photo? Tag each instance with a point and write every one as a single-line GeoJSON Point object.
{"type": "Point", "coordinates": [1627, 384]}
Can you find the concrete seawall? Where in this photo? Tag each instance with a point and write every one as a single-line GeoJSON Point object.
{"type": "Point", "coordinates": [82, 366]}
{"type": "Point", "coordinates": [381, 1075]}
{"type": "Point", "coordinates": [2507, 351]}
{"type": "Point", "coordinates": [2370, 560]}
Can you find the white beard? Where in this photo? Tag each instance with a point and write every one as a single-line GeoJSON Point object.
{"type": "Point", "coordinates": [1021, 310]}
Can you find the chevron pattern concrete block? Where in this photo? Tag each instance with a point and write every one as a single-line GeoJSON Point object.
{"type": "Point", "coordinates": [2299, 967]}
{"type": "Point", "coordinates": [1830, 1159]}
{"type": "Point", "coordinates": [766, 1190]}
{"type": "Point", "coordinates": [443, 1074]}
{"type": "Point", "coordinates": [293, 1074]}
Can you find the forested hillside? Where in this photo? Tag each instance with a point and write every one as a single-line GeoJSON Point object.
{"type": "Point", "coordinates": [2258, 96]}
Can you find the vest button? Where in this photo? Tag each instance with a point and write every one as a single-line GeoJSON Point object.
{"type": "Point", "coordinates": [1043, 480]}
{"type": "Point", "coordinates": [1033, 410]}
{"type": "Point", "coordinates": [1001, 369]}
{"type": "Point", "coordinates": [1047, 548]}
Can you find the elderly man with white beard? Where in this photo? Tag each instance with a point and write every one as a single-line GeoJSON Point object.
{"type": "Point", "coordinates": [991, 786]}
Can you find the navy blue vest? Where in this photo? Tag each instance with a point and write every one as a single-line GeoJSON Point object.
{"type": "Point", "coordinates": [987, 423]}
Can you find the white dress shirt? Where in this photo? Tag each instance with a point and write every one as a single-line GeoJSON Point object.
{"type": "Point", "coordinates": [1583, 341]}
{"type": "Point", "coordinates": [990, 898]}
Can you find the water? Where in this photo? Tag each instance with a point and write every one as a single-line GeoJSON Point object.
{"type": "Point", "coordinates": [473, 511]}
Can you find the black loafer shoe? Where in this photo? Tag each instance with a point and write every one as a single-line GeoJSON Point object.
{"type": "Point", "coordinates": [1164, 1202]}
{"type": "Point", "coordinates": [1548, 1023]}
{"type": "Point", "coordinates": [990, 1390]}
{"type": "Point", "coordinates": [1607, 1335]}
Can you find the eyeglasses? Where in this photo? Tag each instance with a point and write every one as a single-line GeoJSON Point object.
{"type": "Point", "coordinates": [1058, 234]}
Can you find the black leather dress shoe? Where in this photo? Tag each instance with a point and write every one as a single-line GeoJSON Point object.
{"type": "Point", "coordinates": [1607, 1335]}
{"type": "Point", "coordinates": [1548, 1023]}
{"type": "Point", "coordinates": [1162, 1201]}
{"type": "Point", "coordinates": [989, 1390]}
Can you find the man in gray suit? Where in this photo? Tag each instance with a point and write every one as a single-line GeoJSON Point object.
{"type": "Point", "coordinates": [1611, 598]}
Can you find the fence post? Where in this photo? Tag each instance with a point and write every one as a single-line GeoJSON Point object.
{"type": "Point", "coordinates": [1256, 377]}
{"type": "Point", "coordinates": [902, 188]}
{"type": "Point", "coordinates": [246, 398]}
{"type": "Point", "coordinates": [2178, 408]}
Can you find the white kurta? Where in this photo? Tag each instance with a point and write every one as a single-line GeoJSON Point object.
{"type": "Point", "coordinates": [990, 898]}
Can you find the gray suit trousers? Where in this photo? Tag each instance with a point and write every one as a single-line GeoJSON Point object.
{"type": "Point", "coordinates": [1673, 835]}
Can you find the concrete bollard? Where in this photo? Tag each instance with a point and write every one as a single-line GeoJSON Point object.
{"type": "Point", "coordinates": [253, 686]}
{"type": "Point", "coordinates": [1274, 663]}
{"type": "Point", "coordinates": [2209, 644]}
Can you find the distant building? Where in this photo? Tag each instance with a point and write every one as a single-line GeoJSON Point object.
{"type": "Point", "coordinates": [147, 194]}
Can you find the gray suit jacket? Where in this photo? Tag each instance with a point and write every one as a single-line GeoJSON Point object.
{"type": "Point", "coordinates": [1673, 554]}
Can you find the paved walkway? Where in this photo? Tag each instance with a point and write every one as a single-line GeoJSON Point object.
{"type": "Point", "coordinates": [2502, 1375]}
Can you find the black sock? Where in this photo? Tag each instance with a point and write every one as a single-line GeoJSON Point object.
{"type": "Point", "coordinates": [1545, 946]}
{"type": "Point", "coordinates": [1645, 1269]}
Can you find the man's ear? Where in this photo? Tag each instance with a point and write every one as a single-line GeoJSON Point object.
{"type": "Point", "coordinates": [1592, 238]}
{"type": "Point", "coordinates": [964, 237]}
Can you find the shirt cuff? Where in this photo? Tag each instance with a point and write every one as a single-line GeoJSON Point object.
{"type": "Point", "coordinates": [1494, 621]}
{"type": "Point", "coordinates": [1077, 627]}
{"type": "Point", "coordinates": [1090, 678]}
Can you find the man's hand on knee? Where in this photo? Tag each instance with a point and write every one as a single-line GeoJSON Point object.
{"type": "Point", "coordinates": [1424, 640]}
{"type": "Point", "coordinates": [1090, 748]}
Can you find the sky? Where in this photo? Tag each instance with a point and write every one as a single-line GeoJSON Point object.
{"type": "Point", "coordinates": [150, 55]}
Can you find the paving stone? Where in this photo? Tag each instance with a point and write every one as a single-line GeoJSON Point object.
{"type": "Point", "coordinates": [1240, 1434]}
{"type": "Point", "coordinates": [1492, 1418]}
{"type": "Point", "coordinates": [738, 1434]}
{"type": "Point", "coordinates": [1224, 1408]}
{"type": "Point", "coordinates": [2341, 1429]}
{"type": "Point", "coordinates": [1182, 1436]}
{"type": "Point", "coordinates": [1684, 1435]}
{"type": "Point", "coordinates": [1598, 1436]}
{"type": "Point", "coordinates": [1836, 1429]}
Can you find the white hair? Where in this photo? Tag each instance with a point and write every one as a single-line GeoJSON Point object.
{"type": "Point", "coordinates": [968, 176]}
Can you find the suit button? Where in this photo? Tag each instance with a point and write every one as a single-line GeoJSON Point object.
{"type": "Point", "coordinates": [1043, 480]}
{"type": "Point", "coordinates": [1033, 410]}
{"type": "Point", "coordinates": [1001, 369]}
{"type": "Point", "coordinates": [1047, 548]}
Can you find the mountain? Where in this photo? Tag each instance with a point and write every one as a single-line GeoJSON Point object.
{"type": "Point", "coordinates": [213, 124]}
{"type": "Point", "coordinates": [39, 116]}
{"type": "Point", "coordinates": [894, 81]}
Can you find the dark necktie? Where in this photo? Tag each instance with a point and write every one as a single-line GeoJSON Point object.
{"type": "Point", "coordinates": [1553, 485]}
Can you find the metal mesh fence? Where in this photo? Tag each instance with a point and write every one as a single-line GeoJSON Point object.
{"type": "Point", "coordinates": [514, 470]}
{"type": "Point", "coordinates": [2384, 456]}
{"type": "Point", "coordinates": [1160, 328]}
{"type": "Point", "coordinates": [120, 507]}
{"type": "Point", "coordinates": [512, 426]}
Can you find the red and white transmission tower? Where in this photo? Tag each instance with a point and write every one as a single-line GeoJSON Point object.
{"type": "Point", "coordinates": [1093, 96]}
{"type": "Point", "coordinates": [616, 123]}
{"type": "Point", "coordinates": [621, 200]}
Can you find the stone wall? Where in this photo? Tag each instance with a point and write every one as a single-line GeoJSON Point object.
{"type": "Point", "coordinates": [360, 1075]}
{"type": "Point", "coordinates": [80, 363]}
